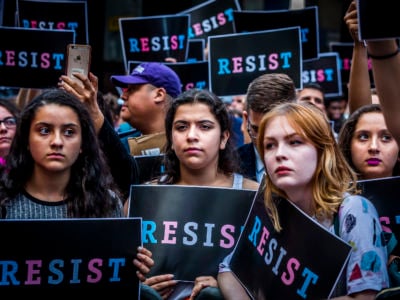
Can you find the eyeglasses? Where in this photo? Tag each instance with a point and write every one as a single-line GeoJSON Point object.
{"type": "Point", "coordinates": [252, 130]}
{"type": "Point", "coordinates": [9, 122]}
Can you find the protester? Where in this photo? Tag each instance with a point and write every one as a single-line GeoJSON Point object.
{"type": "Point", "coordinates": [9, 117]}
{"type": "Point", "coordinates": [386, 72]}
{"type": "Point", "coordinates": [147, 92]}
{"type": "Point", "coordinates": [149, 89]}
{"type": "Point", "coordinates": [55, 168]}
{"type": "Point", "coordinates": [237, 105]}
{"type": "Point", "coordinates": [367, 144]}
{"type": "Point", "coordinates": [335, 111]}
{"type": "Point", "coordinates": [105, 107]}
{"type": "Point", "coordinates": [57, 123]}
{"type": "Point", "coordinates": [199, 152]}
{"type": "Point", "coordinates": [385, 63]}
{"type": "Point", "coordinates": [298, 148]}
{"type": "Point", "coordinates": [372, 152]}
{"type": "Point", "coordinates": [233, 107]}
{"type": "Point", "coordinates": [122, 165]}
{"type": "Point", "coordinates": [312, 93]}
{"type": "Point", "coordinates": [263, 93]}
{"type": "Point", "coordinates": [237, 133]}
{"type": "Point", "coordinates": [115, 105]}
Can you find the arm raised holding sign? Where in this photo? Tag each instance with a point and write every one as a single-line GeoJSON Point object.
{"type": "Point", "coordinates": [359, 81]}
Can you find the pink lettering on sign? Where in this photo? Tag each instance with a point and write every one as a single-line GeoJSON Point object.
{"type": "Point", "coordinates": [345, 64]}
{"type": "Point", "coordinates": [58, 271]}
{"type": "Point", "coordinates": [61, 25]}
{"type": "Point", "coordinates": [252, 63]}
{"type": "Point", "coordinates": [198, 85]}
{"type": "Point", "coordinates": [288, 269]}
{"type": "Point", "coordinates": [211, 23]}
{"type": "Point", "coordinates": [32, 59]}
{"type": "Point", "coordinates": [191, 234]}
{"type": "Point", "coordinates": [156, 43]}
{"type": "Point", "coordinates": [319, 75]}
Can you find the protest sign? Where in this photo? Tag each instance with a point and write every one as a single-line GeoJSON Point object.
{"type": "Point", "coordinates": [154, 38]}
{"type": "Point", "coordinates": [149, 166]}
{"type": "Point", "coordinates": [383, 10]}
{"type": "Point", "coordinates": [46, 258]}
{"type": "Point", "coordinates": [189, 229]}
{"type": "Point", "coordinates": [212, 17]}
{"type": "Point", "coordinates": [324, 71]}
{"type": "Point", "coordinates": [236, 59]}
{"type": "Point", "coordinates": [384, 194]}
{"type": "Point", "coordinates": [306, 19]}
{"type": "Point", "coordinates": [28, 60]}
{"type": "Point", "coordinates": [303, 261]}
{"type": "Point", "coordinates": [196, 50]}
{"type": "Point", "coordinates": [55, 15]}
{"type": "Point", "coordinates": [345, 51]}
{"type": "Point", "coordinates": [192, 74]}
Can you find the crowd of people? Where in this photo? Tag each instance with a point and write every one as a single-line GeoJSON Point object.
{"type": "Point", "coordinates": [62, 155]}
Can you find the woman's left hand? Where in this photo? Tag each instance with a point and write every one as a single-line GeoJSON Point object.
{"type": "Point", "coordinates": [202, 282]}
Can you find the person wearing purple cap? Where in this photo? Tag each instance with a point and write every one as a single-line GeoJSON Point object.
{"type": "Point", "coordinates": [146, 93]}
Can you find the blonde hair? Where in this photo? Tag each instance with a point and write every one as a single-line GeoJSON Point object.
{"type": "Point", "coordinates": [333, 176]}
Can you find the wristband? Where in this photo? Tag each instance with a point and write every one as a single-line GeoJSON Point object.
{"type": "Point", "coordinates": [386, 56]}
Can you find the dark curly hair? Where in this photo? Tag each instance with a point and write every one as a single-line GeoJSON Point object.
{"type": "Point", "coordinates": [88, 190]}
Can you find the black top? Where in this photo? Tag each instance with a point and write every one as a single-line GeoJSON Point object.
{"type": "Point", "coordinates": [122, 165]}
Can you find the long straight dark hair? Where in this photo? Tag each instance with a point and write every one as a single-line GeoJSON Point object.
{"type": "Point", "coordinates": [227, 161]}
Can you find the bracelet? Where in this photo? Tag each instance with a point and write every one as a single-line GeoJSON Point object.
{"type": "Point", "coordinates": [384, 56]}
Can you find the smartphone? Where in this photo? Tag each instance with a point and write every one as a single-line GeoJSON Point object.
{"type": "Point", "coordinates": [78, 60]}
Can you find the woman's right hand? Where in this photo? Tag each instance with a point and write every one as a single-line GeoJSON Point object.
{"type": "Point", "coordinates": [351, 20]}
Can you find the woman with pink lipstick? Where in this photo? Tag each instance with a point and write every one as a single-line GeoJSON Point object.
{"type": "Point", "coordinates": [367, 144]}
{"type": "Point", "coordinates": [9, 114]}
{"type": "Point", "coordinates": [371, 150]}
{"type": "Point", "coordinates": [199, 151]}
{"type": "Point", "coordinates": [305, 166]}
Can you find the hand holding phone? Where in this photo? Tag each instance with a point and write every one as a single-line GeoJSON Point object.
{"type": "Point", "coordinates": [78, 60]}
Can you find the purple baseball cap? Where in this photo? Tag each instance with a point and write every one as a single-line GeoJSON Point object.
{"type": "Point", "coordinates": [154, 73]}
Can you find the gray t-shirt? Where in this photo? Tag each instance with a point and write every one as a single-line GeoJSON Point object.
{"type": "Point", "coordinates": [25, 206]}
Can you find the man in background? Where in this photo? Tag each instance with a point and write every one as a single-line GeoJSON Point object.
{"type": "Point", "coordinates": [262, 93]}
